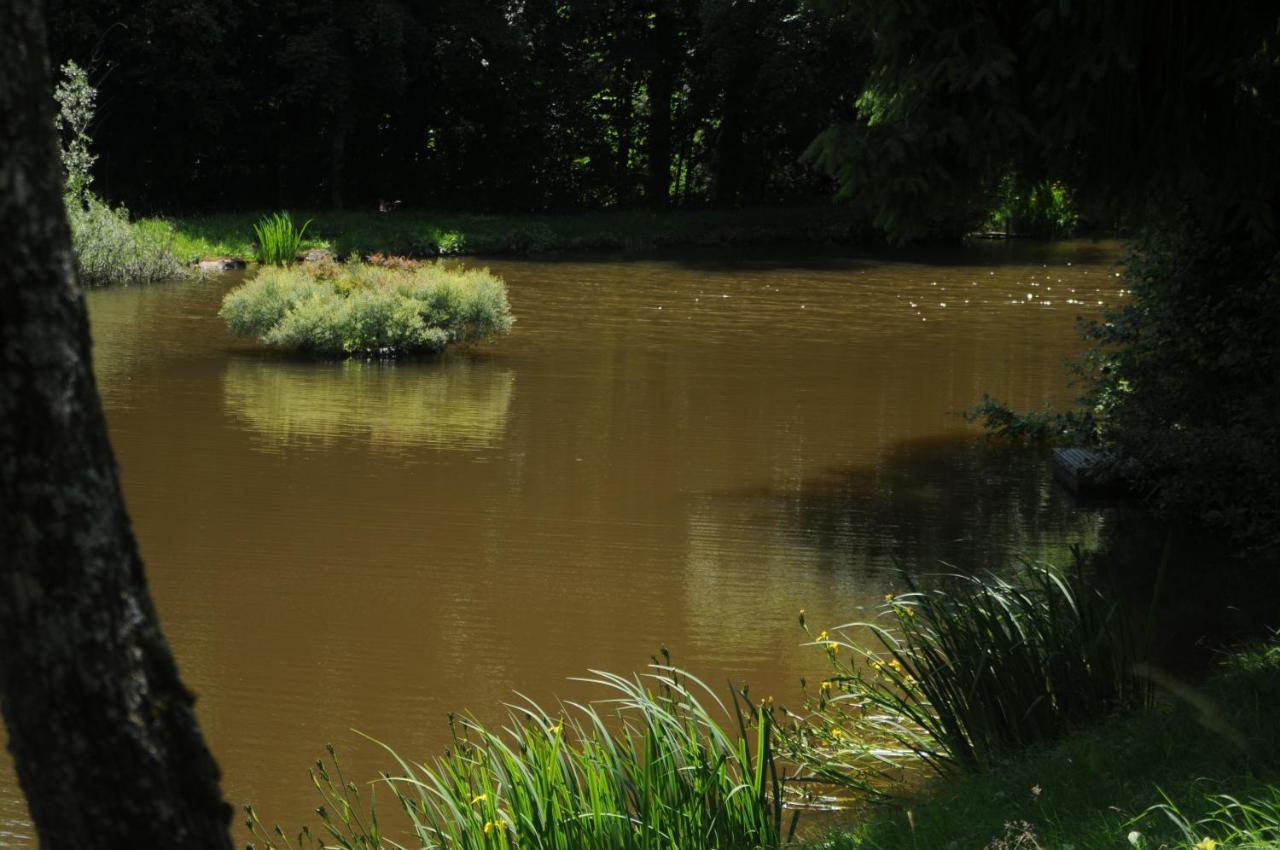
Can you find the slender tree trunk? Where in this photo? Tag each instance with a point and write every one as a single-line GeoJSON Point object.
{"type": "Point", "coordinates": [727, 183]}
{"type": "Point", "coordinates": [622, 122]}
{"type": "Point", "coordinates": [661, 89]}
{"type": "Point", "coordinates": [102, 731]}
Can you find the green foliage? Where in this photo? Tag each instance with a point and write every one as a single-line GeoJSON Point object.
{"type": "Point", "coordinates": [1232, 824]}
{"type": "Point", "coordinates": [665, 767]}
{"type": "Point", "coordinates": [109, 249]}
{"type": "Point", "coordinates": [1046, 210]}
{"type": "Point", "coordinates": [1184, 381]}
{"type": "Point", "coordinates": [76, 100]}
{"type": "Point", "coordinates": [1180, 386]}
{"type": "Point", "coordinates": [430, 234]}
{"type": "Point", "coordinates": [1043, 426]}
{"type": "Point", "coordinates": [970, 674]}
{"type": "Point", "coordinates": [361, 309]}
{"type": "Point", "coordinates": [960, 95]}
{"type": "Point", "coordinates": [278, 240]}
{"type": "Point", "coordinates": [496, 107]}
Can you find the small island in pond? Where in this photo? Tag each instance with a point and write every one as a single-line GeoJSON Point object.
{"type": "Point", "coordinates": [358, 308]}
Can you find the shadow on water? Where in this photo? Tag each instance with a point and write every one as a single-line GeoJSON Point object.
{"type": "Point", "coordinates": [447, 403]}
{"type": "Point", "coordinates": [1189, 591]}
{"type": "Point", "coordinates": [970, 504]}
{"type": "Point", "coordinates": [965, 502]}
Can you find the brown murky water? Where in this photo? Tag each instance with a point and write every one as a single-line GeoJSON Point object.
{"type": "Point", "coordinates": [683, 452]}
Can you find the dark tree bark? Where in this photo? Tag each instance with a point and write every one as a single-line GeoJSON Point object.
{"type": "Point", "coordinates": [622, 126]}
{"type": "Point", "coordinates": [665, 56]}
{"type": "Point", "coordinates": [727, 183]}
{"type": "Point", "coordinates": [102, 731]}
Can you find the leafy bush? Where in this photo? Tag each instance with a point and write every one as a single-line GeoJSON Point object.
{"type": "Point", "coordinates": [278, 240]}
{"type": "Point", "coordinates": [358, 308]}
{"type": "Point", "coordinates": [1042, 426]}
{"type": "Point", "coordinates": [662, 769]}
{"type": "Point", "coordinates": [1183, 382]}
{"type": "Point", "coordinates": [1186, 377]}
{"type": "Point", "coordinates": [969, 675]}
{"type": "Point", "coordinates": [109, 249]}
{"type": "Point", "coordinates": [1045, 210]}
{"type": "Point", "coordinates": [77, 101]}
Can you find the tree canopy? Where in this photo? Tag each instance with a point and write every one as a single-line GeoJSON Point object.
{"type": "Point", "coordinates": [546, 104]}
{"type": "Point", "coordinates": [1139, 107]}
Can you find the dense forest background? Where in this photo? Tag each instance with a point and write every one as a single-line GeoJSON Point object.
{"type": "Point", "coordinates": [525, 105]}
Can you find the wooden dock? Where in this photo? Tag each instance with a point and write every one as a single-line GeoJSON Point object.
{"type": "Point", "coordinates": [1075, 469]}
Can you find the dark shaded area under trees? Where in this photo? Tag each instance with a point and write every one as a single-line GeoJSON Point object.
{"type": "Point", "coordinates": [510, 106]}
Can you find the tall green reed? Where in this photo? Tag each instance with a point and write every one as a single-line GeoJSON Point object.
{"type": "Point", "coordinates": [1231, 824]}
{"type": "Point", "coordinates": [661, 764]}
{"type": "Point", "coordinates": [968, 674]}
{"type": "Point", "coordinates": [278, 240]}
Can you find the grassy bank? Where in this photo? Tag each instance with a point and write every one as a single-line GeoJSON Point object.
{"type": "Point", "coordinates": [429, 234]}
{"type": "Point", "coordinates": [1087, 791]}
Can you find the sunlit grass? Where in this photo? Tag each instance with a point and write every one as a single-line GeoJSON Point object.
{"type": "Point", "coordinates": [434, 233]}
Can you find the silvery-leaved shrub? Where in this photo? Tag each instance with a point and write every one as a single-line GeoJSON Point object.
{"type": "Point", "coordinates": [109, 249]}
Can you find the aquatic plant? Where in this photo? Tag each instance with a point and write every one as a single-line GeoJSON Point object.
{"type": "Point", "coordinates": [968, 674]}
{"type": "Point", "coordinates": [278, 240]}
{"type": "Point", "coordinates": [661, 764]}
{"type": "Point", "coordinates": [361, 309]}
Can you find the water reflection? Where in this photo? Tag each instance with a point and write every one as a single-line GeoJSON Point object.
{"type": "Point", "coordinates": [841, 537]}
{"type": "Point", "coordinates": [970, 502]}
{"type": "Point", "coordinates": [452, 403]}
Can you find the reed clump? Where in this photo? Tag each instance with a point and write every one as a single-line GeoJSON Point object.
{"type": "Point", "coordinates": [279, 240]}
{"type": "Point", "coordinates": [967, 675]}
{"type": "Point", "coordinates": [357, 309]}
{"type": "Point", "coordinates": [661, 764]}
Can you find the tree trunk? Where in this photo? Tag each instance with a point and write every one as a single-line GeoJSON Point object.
{"type": "Point", "coordinates": [102, 731]}
{"type": "Point", "coordinates": [727, 182]}
{"type": "Point", "coordinates": [661, 89]}
{"type": "Point", "coordinates": [622, 117]}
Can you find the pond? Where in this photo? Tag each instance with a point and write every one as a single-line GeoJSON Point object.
{"type": "Point", "coordinates": [679, 452]}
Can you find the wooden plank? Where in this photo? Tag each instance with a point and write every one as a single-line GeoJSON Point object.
{"type": "Point", "coordinates": [1074, 468]}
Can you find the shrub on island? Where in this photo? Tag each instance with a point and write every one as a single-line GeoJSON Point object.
{"type": "Point", "coordinates": [362, 309]}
